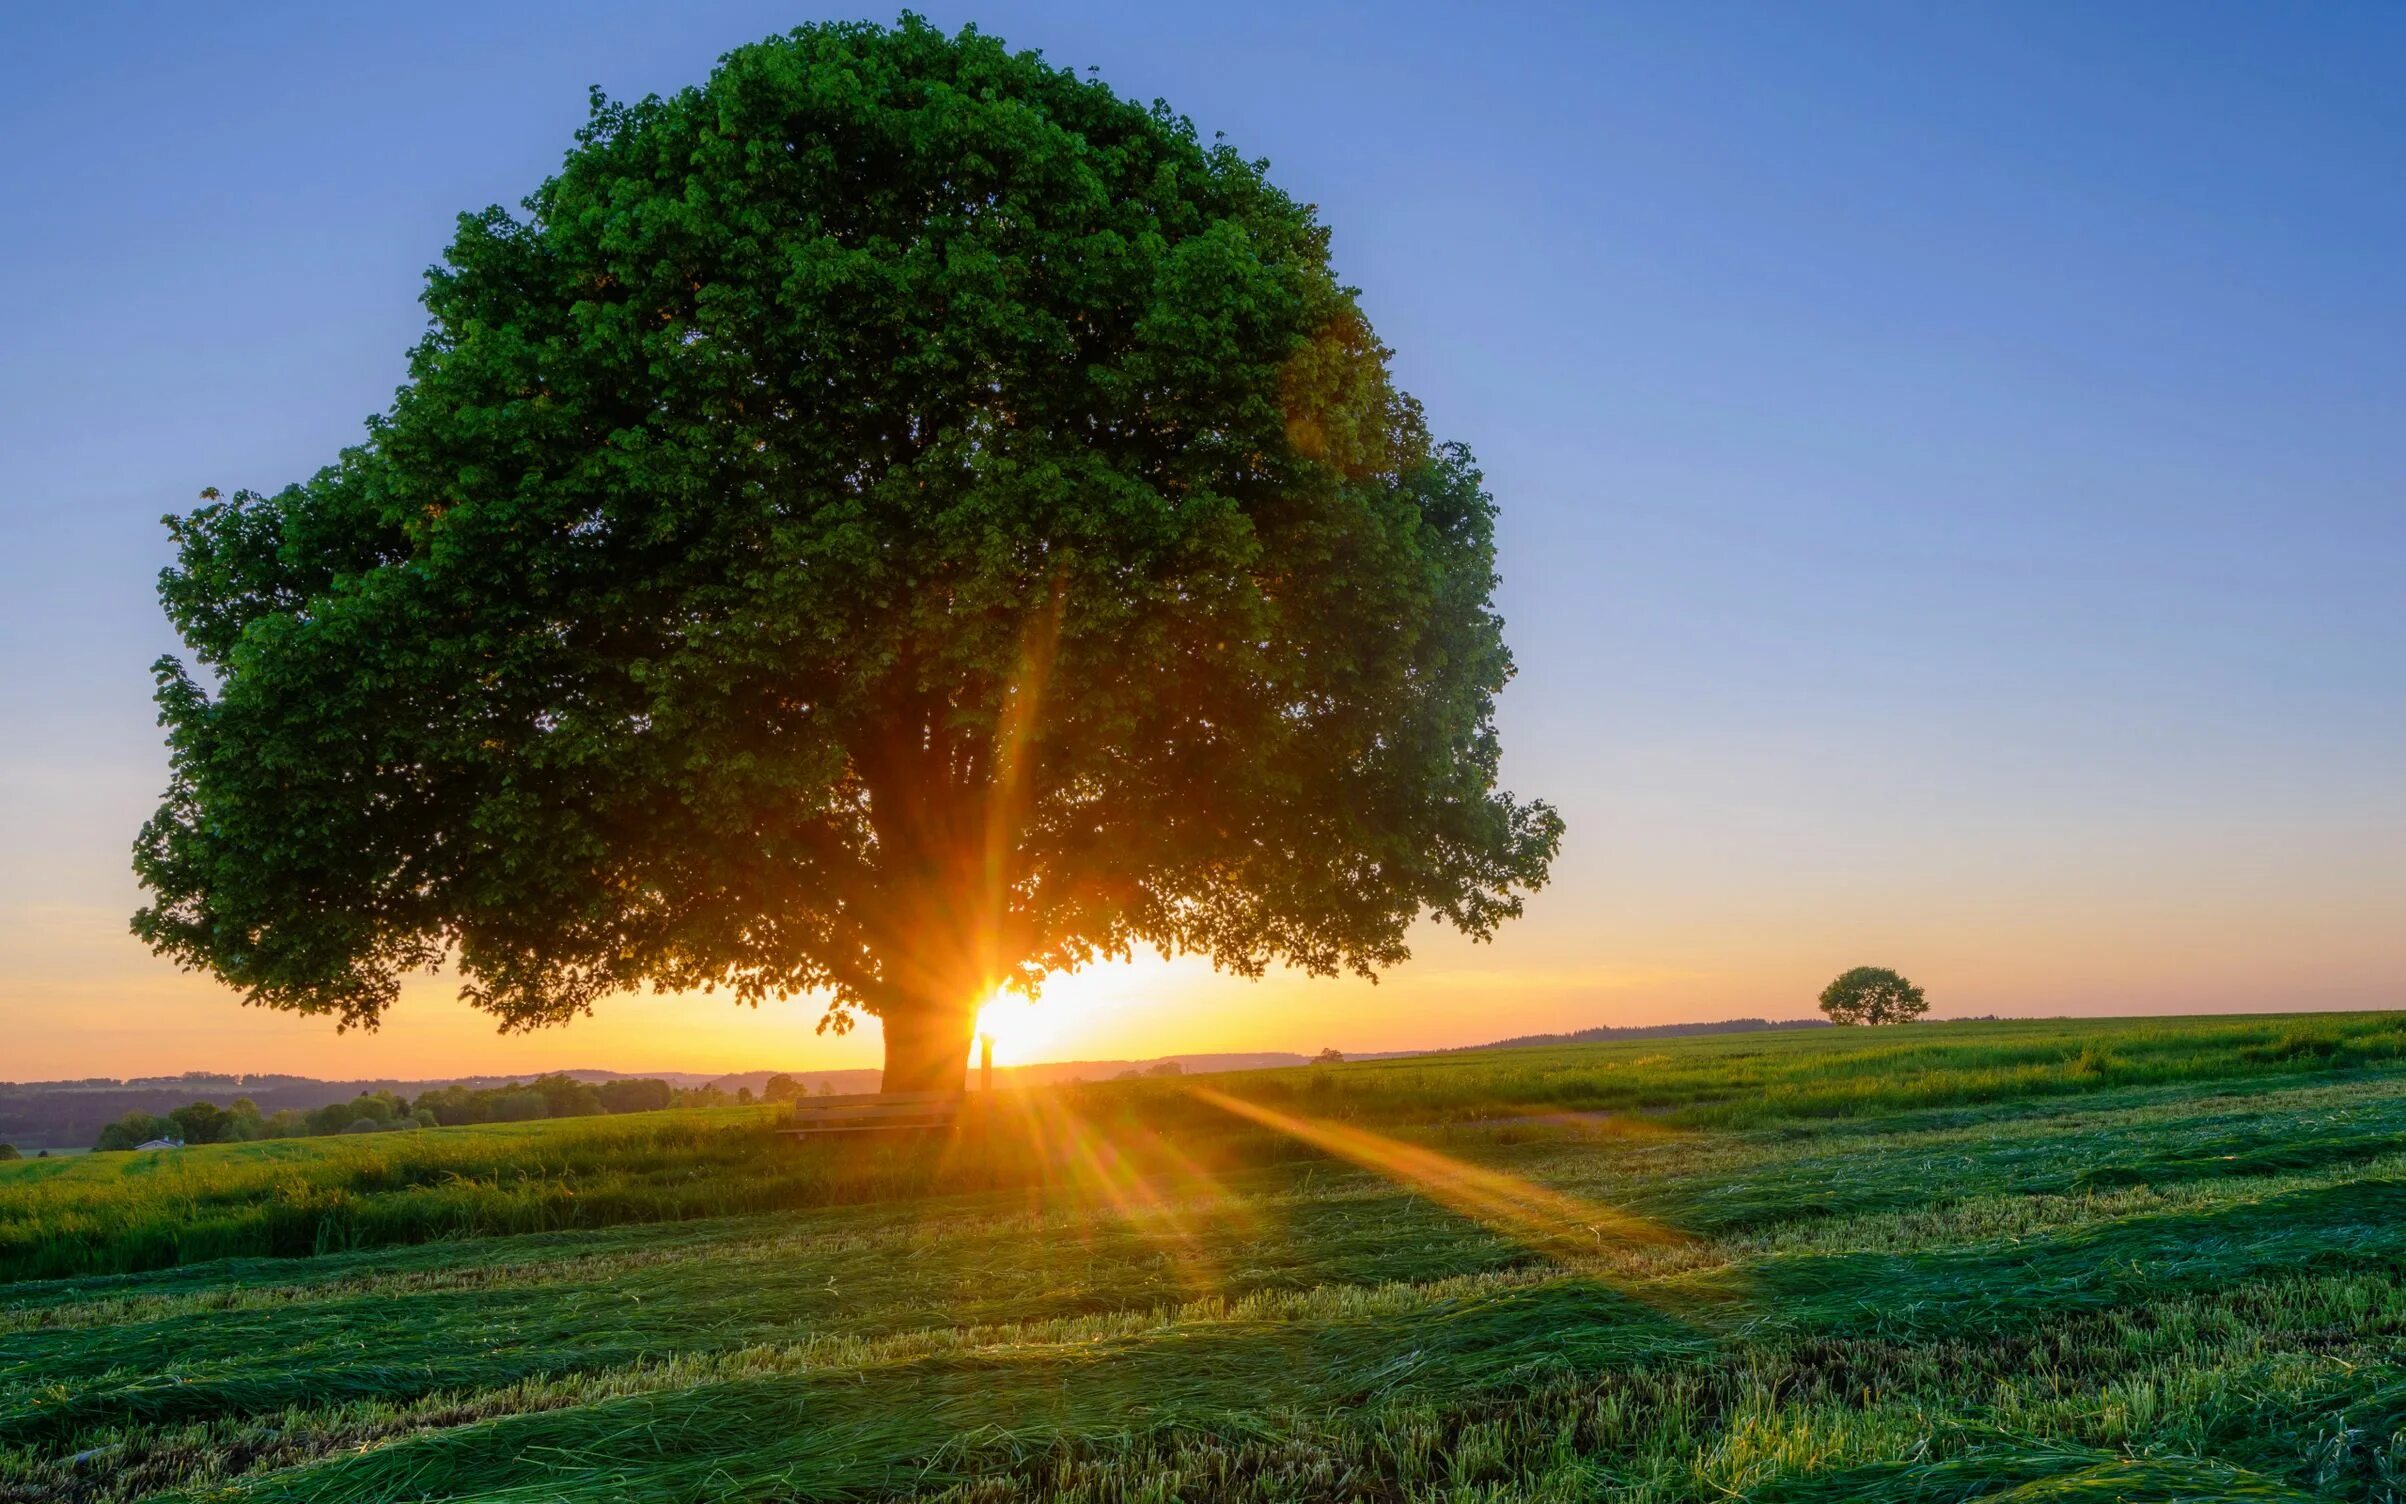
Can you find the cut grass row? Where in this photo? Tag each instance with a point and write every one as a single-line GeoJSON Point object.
{"type": "Point", "coordinates": [1951, 1229]}
{"type": "Point", "coordinates": [2227, 1364]}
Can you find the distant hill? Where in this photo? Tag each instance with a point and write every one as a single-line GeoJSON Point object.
{"type": "Point", "coordinates": [1643, 1031]}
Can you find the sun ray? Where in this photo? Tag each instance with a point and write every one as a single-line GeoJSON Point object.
{"type": "Point", "coordinates": [1143, 1180]}
{"type": "Point", "coordinates": [1539, 1218]}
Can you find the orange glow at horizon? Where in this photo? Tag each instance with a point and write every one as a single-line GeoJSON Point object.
{"type": "Point", "coordinates": [82, 998]}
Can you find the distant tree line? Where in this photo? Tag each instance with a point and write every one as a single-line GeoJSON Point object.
{"type": "Point", "coordinates": [553, 1096]}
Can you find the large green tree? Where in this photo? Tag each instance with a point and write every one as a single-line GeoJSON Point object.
{"type": "Point", "coordinates": [895, 520]}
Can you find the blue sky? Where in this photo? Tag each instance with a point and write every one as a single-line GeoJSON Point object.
{"type": "Point", "coordinates": [1952, 460]}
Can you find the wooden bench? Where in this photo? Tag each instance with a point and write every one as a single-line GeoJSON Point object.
{"type": "Point", "coordinates": [875, 1112]}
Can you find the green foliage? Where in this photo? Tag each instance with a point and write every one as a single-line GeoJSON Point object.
{"type": "Point", "coordinates": [202, 1123]}
{"type": "Point", "coordinates": [9, 1151]}
{"type": "Point", "coordinates": [520, 1106]}
{"type": "Point", "coordinates": [372, 1110]}
{"type": "Point", "coordinates": [1872, 995]}
{"type": "Point", "coordinates": [2179, 1287]}
{"type": "Point", "coordinates": [566, 1097]}
{"type": "Point", "coordinates": [634, 1095]}
{"type": "Point", "coordinates": [893, 518]}
{"type": "Point", "coordinates": [780, 1088]}
{"type": "Point", "coordinates": [135, 1128]}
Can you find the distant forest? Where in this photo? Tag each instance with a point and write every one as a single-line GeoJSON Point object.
{"type": "Point", "coordinates": [202, 1107]}
{"type": "Point", "coordinates": [552, 1096]}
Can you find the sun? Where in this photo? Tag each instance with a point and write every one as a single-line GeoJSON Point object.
{"type": "Point", "coordinates": [1050, 1028]}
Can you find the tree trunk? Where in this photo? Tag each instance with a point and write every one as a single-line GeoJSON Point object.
{"type": "Point", "coordinates": [927, 1047]}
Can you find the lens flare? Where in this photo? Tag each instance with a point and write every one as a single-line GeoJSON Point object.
{"type": "Point", "coordinates": [1543, 1220]}
{"type": "Point", "coordinates": [1147, 1184]}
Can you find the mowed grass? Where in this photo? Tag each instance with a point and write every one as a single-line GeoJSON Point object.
{"type": "Point", "coordinates": [119, 1213]}
{"type": "Point", "coordinates": [2028, 1261]}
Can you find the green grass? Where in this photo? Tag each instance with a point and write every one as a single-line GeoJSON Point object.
{"type": "Point", "coordinates": [2139, 1260]}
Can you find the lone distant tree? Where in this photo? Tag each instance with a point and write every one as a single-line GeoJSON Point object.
{"type": "Point", "coordinates": [1330, 1056]}
{"type": "Point", "coordinates": [1872, 995]}
{"type": "Point", "coordinates": [894, 521]}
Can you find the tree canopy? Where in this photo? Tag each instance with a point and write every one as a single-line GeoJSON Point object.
{"type": "Point", "coordinates": [1872, 995]}
{"type": "Point", "coordinates": [894, 520]}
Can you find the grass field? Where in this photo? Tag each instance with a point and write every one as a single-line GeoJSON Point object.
{"type": "Point", "coordinates": [2123, 1260]}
